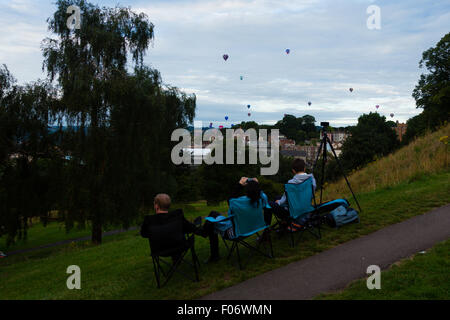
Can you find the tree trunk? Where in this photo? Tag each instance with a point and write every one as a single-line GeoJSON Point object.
{"type": "Point", "coordinates": [96, 231]}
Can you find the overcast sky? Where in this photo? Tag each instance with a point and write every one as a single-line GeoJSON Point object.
{"type": "Point", "coordinates": [331, 50]}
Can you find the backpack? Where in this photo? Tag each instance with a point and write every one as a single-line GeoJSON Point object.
{"type": "Point", "coordinates": [342, 216]}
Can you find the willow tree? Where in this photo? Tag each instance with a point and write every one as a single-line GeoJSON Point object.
{"type": "Point", "coordinates": [84, 62]}
{"type": "Point", "coordinates": [142, 119]}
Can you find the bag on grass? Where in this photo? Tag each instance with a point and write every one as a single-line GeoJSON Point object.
{"type": "Point", "coordinates": [342, 216]}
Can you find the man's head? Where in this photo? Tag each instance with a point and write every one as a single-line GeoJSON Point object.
{"type": "Point", "coordinates": [162, 203]}
{"type": "Point", "coordinates": [298, 166]}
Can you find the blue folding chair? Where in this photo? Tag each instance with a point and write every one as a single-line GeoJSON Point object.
{"type": "Point", "coordinates": [246, 220]}
{"type": "Point", "coordinates": [301, 210]}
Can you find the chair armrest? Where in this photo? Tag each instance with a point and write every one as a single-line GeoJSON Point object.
{"type": "Point", "coordinates": [213, 220]}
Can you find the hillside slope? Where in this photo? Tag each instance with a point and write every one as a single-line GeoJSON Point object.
{"type": "Point", "coordinates": [425, 155]}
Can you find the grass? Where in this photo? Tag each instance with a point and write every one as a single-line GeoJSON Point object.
{"type": "Point", "coordinates": [424, 276]}
{"type": "Point", "coordinates": [121, 267]}
{"type": "Point", "coordinates": [39, 235]}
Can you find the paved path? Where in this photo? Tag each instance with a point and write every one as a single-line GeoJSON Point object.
{"type": "Point", "coordinates": [336, 268]}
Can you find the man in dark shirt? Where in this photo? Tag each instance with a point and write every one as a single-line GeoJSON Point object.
{"type": "Point", "coordinates": [161, 205]}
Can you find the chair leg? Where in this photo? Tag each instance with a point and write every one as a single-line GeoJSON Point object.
{"type": "Point", "coordinates": [292, 239]}
{"type": "Point", "coordinates": [238, 256]}
{"type": "Point", "coordinates": [156, 270]}
{"type": "Point", "coordinates": [270, 243]}
{"type": "Point", "coordinates": [230, 252]}
{"type": "Point", "coordinates": [194, 260]}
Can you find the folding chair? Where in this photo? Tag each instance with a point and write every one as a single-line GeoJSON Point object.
{"type": "Point", "coordinates": [247, 220]}
{"type": "Point", "coordinates": [167, 239]}
{"type": "Point", "coordinates": [301, 210]}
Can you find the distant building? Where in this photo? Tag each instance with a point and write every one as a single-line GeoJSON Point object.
{"type": "Point", "coordinates": [287, 144]}
{"type": "Point", "coordinates": [336, 136]}
{"type": "Point", "coordinates": [296, 154]}
{"type": "Point", "coordinates": [339, 136]}
{"type": "Point", "coordinates": [400, 129]}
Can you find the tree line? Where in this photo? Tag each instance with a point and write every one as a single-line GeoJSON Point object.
{"type": "Point", "coordinates": [111, 150]}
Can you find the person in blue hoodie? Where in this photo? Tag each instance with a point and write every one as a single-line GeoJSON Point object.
{"type": "Point", "coordinates": [281, 207]}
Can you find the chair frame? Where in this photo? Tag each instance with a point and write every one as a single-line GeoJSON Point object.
{"type": "Point", "coordinates": [173, 267]}
{"type": "Point", "coordinates": [241, 241]}
{"type": "Point", "coordinates": [314, 216]}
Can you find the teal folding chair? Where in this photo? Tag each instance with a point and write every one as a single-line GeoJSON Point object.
{"type": "Point", "coordinates": [247, 220]}
{"type": "Point", "coordinates": [301, 210]}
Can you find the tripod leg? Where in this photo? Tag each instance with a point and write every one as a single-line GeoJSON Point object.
{"type": "Point", "coordinates": [343, 173]}
{"type": "Point", "coordinates": [324, 163]}
{"type": "Point", "coordinates": [322, 145]}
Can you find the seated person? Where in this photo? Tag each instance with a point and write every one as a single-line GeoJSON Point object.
{"type": "Point", "coordinates": [246, 187]}
{"type": "Point", "coordinates": [161, 205]}
{"type": "Point", "coordinates": [281, 207]}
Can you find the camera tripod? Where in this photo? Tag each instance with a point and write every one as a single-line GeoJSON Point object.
{"type": "Point", "coordinates": [323, 145]}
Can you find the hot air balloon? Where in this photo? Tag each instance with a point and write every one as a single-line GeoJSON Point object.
{"type": "Point", "coordinates": [225, 57]}
{"type": "Point", "coordinates": [249, 114]}
{"type": "Point", "coordinates": [351, 89]}
{"type": "Point", "coordinates": [220, 127]}
{"type": "Point", "coordinates": [226, 118]}
{"type": "Point", "coordinates": [242, 78]}
{"type": "Point", "coordinates": [377, 106]}
{"type": "Point", "coordinates": [288, 51]}
{"type": "Point", "coordinates": [210, 125]}
{"type": "Point", "coordinates": [392, 115]}
{"type": "Point", "coordinates": [309, 103]}
{"type": "Point", "coordinates": [248, 106]}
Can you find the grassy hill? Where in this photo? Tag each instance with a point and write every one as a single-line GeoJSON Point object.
{"type": "Point", "coordinates": [405, 184]}
{"type": "Point", "coordinates": [426, 155]}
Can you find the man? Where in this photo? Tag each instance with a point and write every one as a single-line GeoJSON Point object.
{"type": "Point", "coordinates": [161, 204]}
{"type": "Point", "coordinates": [281, 207]}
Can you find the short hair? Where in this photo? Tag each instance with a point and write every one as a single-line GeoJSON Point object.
{"type": "Point", "coordinates": [298, 165]}
{"type": "Point", "coordinates": [163, 201]}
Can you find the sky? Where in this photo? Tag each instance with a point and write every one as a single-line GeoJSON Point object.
{"type": "Point", "coordinates": [331, 50]}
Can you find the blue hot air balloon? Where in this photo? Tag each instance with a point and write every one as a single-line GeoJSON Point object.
{"type": "Point", "coordinates": [226, 118]}
{"type": "Point", "coordinates": [225, 57]}
{"type": "Point", "coordinates": [288, 51]}
{"type": "Point", "coordinates": [248, 106]}
{"type": "Point", "coordinates": [309, 103]}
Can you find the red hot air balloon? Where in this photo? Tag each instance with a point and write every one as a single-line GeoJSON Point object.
{"type": "Point", "coordinates": [377, 106]}
{"type": "Point", "coordinates": [220, 127]}
{"type": "Point", "coordinates": [225, 57]}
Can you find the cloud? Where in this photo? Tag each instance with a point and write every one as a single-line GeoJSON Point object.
{"type": "Point", "coordinates": [331, 51]}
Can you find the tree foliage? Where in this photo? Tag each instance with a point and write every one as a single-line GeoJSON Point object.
{"type": "Point", "coordinates": [372, 137]}
{"type": "Point", "coordinates": [28, 185]}
{"type": "Point", "coordinates": [299, 129]}
{"type": "Point", "coordinates": [432, 93]}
